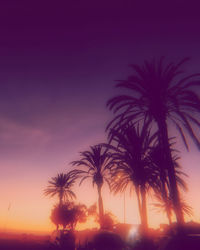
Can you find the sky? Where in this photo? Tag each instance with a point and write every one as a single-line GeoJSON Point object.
{"type": "Point", "coordinates": [58, 66]}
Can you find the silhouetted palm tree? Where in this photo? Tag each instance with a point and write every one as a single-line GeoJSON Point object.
{"type": "Point", "coordinates": [131, 164]}
{"type": "Point", "coordinates": [163, 190]}
{"type": "Point", "coordinates": [166, 206]}
{"type": "Point", "coordinates": [157, 95]}
{"type": "Point", "coordinates": [95, 163]}
{"type": "Point", "coordinates": [162, 193]}
{"type": "Point", "coordinates": [61, 186]}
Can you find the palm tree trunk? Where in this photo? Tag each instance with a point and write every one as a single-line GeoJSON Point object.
{"type": "Point", "coordinates": [141, 198]}
{"type": "Point", "coordinates": [144, 209]}
{"type": "Point", "coordinates": [169, 217]}
{"type": "Point", "coordinates": [61, 197]}
{"type": "Point", "coordinates": [167, 158]}
{"type": "Point", "coordinates": [165, 197]}
{"type": "Point", "coordinates": [168, 206]}
{"type": "Point", "coordinates": [166, 200]}
{"type": "Point", "coordinates": [139, 202]}
{"type": "Point", "coordinates": [100, 203]}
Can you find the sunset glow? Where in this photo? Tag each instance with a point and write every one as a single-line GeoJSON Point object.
{"type": "Point", "coordinates": [58, 68]}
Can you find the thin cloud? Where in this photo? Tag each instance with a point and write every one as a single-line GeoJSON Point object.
{"type": "Point", "coordinates": [12, 132]}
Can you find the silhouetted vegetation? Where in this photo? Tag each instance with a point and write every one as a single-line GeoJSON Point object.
{"type": "Point", "coordinates": [140, 154]}
{"type": "Point", "coordinates": [61, 186]}
{"type": "Point", "coordinates": [68, 215]}
{"type": "Point", "coordinates": [162, 194]}
{"type": "Point", "coordinates": [131, 165]}
{"type": "Point", "coordinates": [95, 165]}
{"type": "Point", "coordinates": [156, 95]}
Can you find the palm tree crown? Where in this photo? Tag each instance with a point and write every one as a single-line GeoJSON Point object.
{"type": "Point", "coordinates": [156, 94]}
{"type": "Point", "coordinates": [61, 186]}
{"type": "Point", "coordinates": [132, 152]}
{"type": "Point", "coordinates": [96, 162]}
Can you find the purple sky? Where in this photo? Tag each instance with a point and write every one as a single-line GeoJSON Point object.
{"type": "Point", "coordinates": [58, 64]}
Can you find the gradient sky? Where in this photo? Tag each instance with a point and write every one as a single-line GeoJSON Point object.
{"type": "Point", "coordinates": [58, 64]}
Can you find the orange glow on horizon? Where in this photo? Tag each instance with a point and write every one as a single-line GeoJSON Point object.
{"type": "Point", "coordinates": [40, 222]}
{"type": "Point", "coordinates": [30, 210]}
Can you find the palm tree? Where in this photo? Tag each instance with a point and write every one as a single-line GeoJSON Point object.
{"type": "Point", "coordinates": [156, 95]}
{"type": "Point", "coordinates": [61, 186]}
{"type": "Point", "coordinates": [95, 163]}
{"type": "Point", "coordinates": [131, 165]}
{"type": "Point", "coordinates": [163, 195]}
{"type": "Point", "coordinates": [166, 206]}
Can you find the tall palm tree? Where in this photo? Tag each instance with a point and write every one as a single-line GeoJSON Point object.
{"type": "Point", "coordinates": [61, 186]}
{"type": "Point", "coordinates": [95, 164]}
{"type": "Point", "coordinates": [156, 94]}
{"type": "Point", "coordinates": [131, 165]}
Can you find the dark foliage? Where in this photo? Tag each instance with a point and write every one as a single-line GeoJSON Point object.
{"type": "Point", "coordinates": [158, 94]}
{"type": "Point", "coordinates": [61, 186]}
{"type": "Point", "coordinates": [68, 215]}
{"type": "Point", "coordinates": [94, 164]}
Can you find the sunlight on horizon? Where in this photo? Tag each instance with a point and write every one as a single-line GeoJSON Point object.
{"type": "Point", "coordinates": [30, 210]}
{"type": "Point", "coordinates": [29, 216]}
